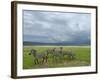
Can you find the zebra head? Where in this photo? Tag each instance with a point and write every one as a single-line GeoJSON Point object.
{"type": "Point", "coordinates": [32, 52]}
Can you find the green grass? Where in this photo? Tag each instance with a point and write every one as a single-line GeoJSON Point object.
{"type": "Point", "coordinates": [82, 57]}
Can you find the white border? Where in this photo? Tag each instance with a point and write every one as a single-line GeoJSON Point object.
{"type": "Point", "coordinates": [21, 72]}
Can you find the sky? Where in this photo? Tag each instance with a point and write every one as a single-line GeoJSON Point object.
{"type": "Point", "coordinates": [48, 26]}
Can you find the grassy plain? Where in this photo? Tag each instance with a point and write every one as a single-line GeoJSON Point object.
{"type": "Point", "coordinates": [82, 57]}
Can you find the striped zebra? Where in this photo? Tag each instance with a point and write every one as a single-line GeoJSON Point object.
{"type": "Point", "coordinates": [37, 56]}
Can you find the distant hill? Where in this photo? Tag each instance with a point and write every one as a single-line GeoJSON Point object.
{"type": "Point", "coordinates": [45, 40]}
{"type": "Point", "coordinates": [58, 43]}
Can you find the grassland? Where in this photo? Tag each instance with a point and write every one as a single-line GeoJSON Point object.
{"type": "Point", "coordinates": [82, 57]}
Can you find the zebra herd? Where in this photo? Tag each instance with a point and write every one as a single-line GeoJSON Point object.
{"type": "Point", "coordinates": [55, 52]}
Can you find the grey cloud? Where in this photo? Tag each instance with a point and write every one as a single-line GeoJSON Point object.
{"type": "Point", "coordinates": [56, 25]}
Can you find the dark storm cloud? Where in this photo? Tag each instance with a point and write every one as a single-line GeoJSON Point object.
{"type": "Point", "coordinates": [57, 26]}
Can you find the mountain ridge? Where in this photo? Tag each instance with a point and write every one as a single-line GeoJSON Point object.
{"type": "Point", "coordinates": [58, 43]}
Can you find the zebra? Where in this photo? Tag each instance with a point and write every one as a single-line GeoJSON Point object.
{"type": "Point", "coordinates": [61, 53]}
{"type": "Point", "coordinates": [70, 54]}
{"type": "Point", "coordinates": [38, 56]}
{"type": "Point", "coordinates": [57, 53]}
{"type": "Point", "coordinates": [51, 50]}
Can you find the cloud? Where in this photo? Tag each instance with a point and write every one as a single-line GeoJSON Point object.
{"type": "Point", "coordinates": [57, 26]}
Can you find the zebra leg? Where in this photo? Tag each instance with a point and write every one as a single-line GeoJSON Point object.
{"type": "Point", "coordinates": [71, 57]}
{"type": "Point", "coordinates": [42, 60]}
{"type": "Point", "coordinates": [61, 58]}
{"type": "Point", "coordinates": [56, 59]}
{"type": "Point", "coordinates": [46, 58]}
{"type": "Point", "coordinates": [37, 61]}
{"type": "Point", "coordinates": [34, 61]}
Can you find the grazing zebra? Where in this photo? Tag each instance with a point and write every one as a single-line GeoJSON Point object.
{"type": "Point", "coordinates": [59, 50]}
{"type": "Point", "coordinates": [58, 53]}
{"type": "Point", "coordinates": [38, 56]}
{"type": "Point", "coordinates": [54, 50]}
{"type": "Point", "coordinates": [51, 50]}
{"type": "Point", "coordinates": [61, 53]}
{"type": "Point", "coordinates": [70, 54]}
